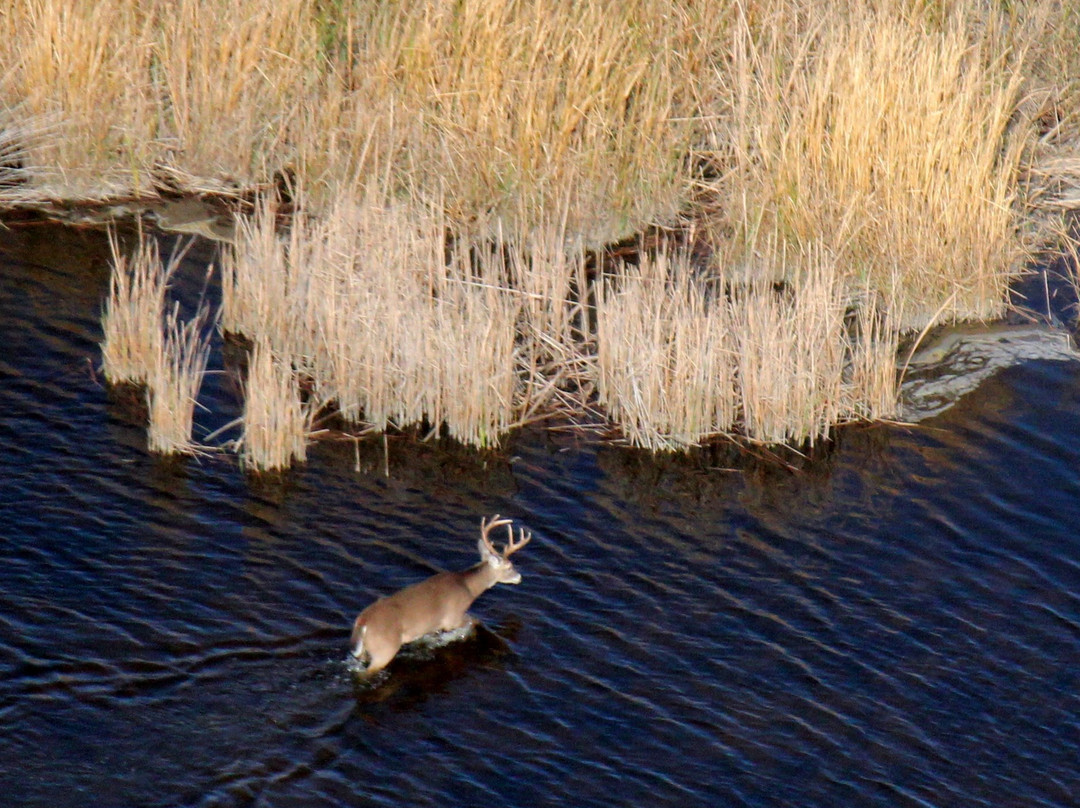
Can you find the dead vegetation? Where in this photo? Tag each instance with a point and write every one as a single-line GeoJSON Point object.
{"type": "Point", "coordinates": [149, 346]}
{"type": "Point", "coordinates": [847, 170]}
{"type": "Point", "coordinates": [276, 421]}
{"type": "Point", "coordinates": [173, 387]}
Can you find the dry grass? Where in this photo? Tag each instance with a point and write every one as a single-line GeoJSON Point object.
{"type": "Point", "coordinates": [682, 358]}
{"type": "Point", "coordinates": [173, 386]}
{"type": "Point", "coordinates": [512, 110]}
{"type": "Point", "coordinates": [131, 323]}
{"type": "Point", "coordinates": [891, 137]}
{"type": "Point", "coordinates": [146, 346]}
{"type": "Point", "coordinates": [83, 69]}
{"type": "Point", "coordinates": [390, 328]}
{"type": "Point", "coordinates": [276, 420]}
{"type": "Point", "coordinates": [235, 76]}
{"type": "Point", "coordinates": [458, 159]}
{"type": "Point", "coordinates": [665, 354]}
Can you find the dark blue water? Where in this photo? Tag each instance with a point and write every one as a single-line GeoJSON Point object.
{"type": "Point", "coordinates": [896, 623]}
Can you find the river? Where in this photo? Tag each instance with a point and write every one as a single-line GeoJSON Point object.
{"type": "Point", "coordinates": [894, 622]}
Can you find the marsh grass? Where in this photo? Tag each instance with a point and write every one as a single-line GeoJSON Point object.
{"type": "Point", "coordinates": [683, 357]}
{"type": "Point", "coordinates": [153, 348]}
{"type": "Point", "coordinates": [85, 69]}
{"type": "Point", "coordinates": [665, 353]}
{"type": "Point", "coordinates": [131, 322]}
{"type": "Point", "coordinates": [393, 327]}
{"type": "Point", "coordinates": [895, 139]}
{"type": "Point", "coordinates": [791, 356]}
{"type": "Point", "coordinates": [452, 165]}
{"type": "Point", "coordinates": [173, 386]}
{"type": "Point", "coordinates": [276, 421]}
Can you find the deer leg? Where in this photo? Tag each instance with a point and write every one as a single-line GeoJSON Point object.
{"type": "Point", "coordinates": [465, 627]}
{"type": "Point", "coordinates": [379, 659]}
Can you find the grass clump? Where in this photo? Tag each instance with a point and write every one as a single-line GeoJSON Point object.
{"type": "Point", "coordinates": [683, 357]}
{"type": "Point", "coordinates": [851, 170]}
{"type": "Point", "coordinates": [131, 323]}
{"type": "Point", "coordinates": [173, 387]}
{"type": "Point", "coordinates": [145, 346]}
{"type": "Point", "coordinates": [391, 327]}
{"type": "Point", "coordinates": [276, 420]}
{"type": "Point", "coordinates": [665, 353]}
{"type": "Point", "coordinates": [891, 137]}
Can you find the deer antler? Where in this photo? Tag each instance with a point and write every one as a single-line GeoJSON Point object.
{"type": "Point", "coordinates": [486, 528]}
{"type": "Point", "coordinates": [511, 545]}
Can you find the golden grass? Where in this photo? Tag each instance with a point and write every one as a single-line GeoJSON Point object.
{"type": "Point", "coordinates": [682, 358]}
{"type": "Point", "coordinates": [665, 355]}
{"type": "Point", "coordinates": [83, 70]}
{"type": "Point", "coordinates": [173, 387]}
{"type": "Point", "coordinates": [894, 141]}
{"type": "Point", "coordinates": [147, 346]}
{"type": "Point", "coordinates": [131, 323]}
{"type": "Point", "coordinates": [235, 76]}
{"type": "Point", "coordinates": [390, 328]}
{"type": "Point", "coordinates": [458, 160]}
{"type": "Point", "coordinates": [513, 110]}
{"type": "Point", "coordinates": [276, 420]}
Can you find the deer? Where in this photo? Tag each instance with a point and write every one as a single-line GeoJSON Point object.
{"type": "Point", "coordinates": [438, 603]}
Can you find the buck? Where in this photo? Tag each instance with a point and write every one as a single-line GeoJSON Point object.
{"type": "Point", "coordinates": [439, 603]}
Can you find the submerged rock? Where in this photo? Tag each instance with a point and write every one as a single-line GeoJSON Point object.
{"type": "Point", "coordinates": [960, 359]}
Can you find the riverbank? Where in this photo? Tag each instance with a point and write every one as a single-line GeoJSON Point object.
{"type": "Point", "coordinates": [794, 185]}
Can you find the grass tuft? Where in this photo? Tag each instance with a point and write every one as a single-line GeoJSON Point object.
{"type": "Point", "coordinates": [131, 322]}
{"type": "Point", "coordinates": [173, 387]}
{"type": "Point", "coordinates": [276, 421]}
{"type": "Point", "coordinates": [456, 166]}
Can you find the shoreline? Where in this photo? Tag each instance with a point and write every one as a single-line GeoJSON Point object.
{"type": "Point", "coordinates": [712, 227]}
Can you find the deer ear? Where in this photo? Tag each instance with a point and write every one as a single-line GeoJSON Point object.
{"type": "Point", "coordinates": [485, 553]}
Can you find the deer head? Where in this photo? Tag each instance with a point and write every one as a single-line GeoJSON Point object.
{"type": "Point", "coordinates": [500, 562]}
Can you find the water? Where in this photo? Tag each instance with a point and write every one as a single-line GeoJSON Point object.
{"type": "Point", "coordinates": [896, 623]}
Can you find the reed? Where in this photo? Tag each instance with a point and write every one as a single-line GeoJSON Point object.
{"type": "Point", "coordinates": [276, 420]}
{"type": "Point", "coordinates": [683, 357]}
{"type": "Point", "coordinates": [131, 323]}
{"type": "Point", "coordinates": [84, 71]}
{"type": "Point", "coordinates": [458, 161]}
{"type": "Point", "coordinates": [515, 109]}
{"type": "Point", "coordinates": [665, 354]}
{"type": "Point", "coordinates": [791, 357]}
{"type": "Point", "coordinates": [891, 136]}
{"type": "Point", "coordinates": [231, 78]}
{"type": "Point", "coordinates": [872, 381]}
{"type": "Point", "coordinates": [391, 329]}
{"type": "Point", "coordinates": [256, 293]}
{"type": "Point", "coordinates": [173, 386]}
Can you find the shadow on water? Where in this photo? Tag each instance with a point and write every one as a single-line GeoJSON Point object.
{"type": "Point", "coordinates": [423, 671]}
{"type": "Point", "coordinates": [892, 620]}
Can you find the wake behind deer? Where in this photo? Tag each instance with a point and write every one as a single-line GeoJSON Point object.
{"type": "Point", "coordinates": [439, 603]}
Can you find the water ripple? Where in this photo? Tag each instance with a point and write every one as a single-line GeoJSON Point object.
{"type": "Point", "coordinates": [896, 624]}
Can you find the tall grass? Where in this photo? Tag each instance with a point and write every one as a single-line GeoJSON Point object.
{"type": "Point", "coordinates": [276, 421]}
{"type": "Point", "coordinates": [889, 136]}
{"type": "Point", "coordinates": [84, 70]}
{"type": "Point", "coordinates": [131, 323]}
{"type": "Point", "coordinates": [665, 353]}
{"type": "Point", "coordinates": [459, 160]}
{"type": "Point", "coordinates": [791, 356]}
{"type": "Point", "coordinates": [391, 327]}
{"type": "Point", "coordinates": [147, 346]}
{"type": "Point", "coordinates": [682, 358]}
{"type": "Point", "coordinates": [176, 377]}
